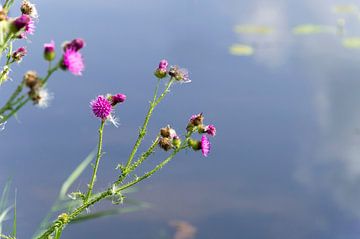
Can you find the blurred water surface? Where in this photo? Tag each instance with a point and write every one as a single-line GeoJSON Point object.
{"type": "Point", "coordinates": [286, 160]}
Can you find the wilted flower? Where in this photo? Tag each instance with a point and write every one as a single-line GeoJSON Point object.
{"type": "Point", "coordinates": [180, 74]}
{"type": "Point", "coordinates": [76, 44]}
{"type": "Point", "coordinates": [195, 120]}
{"type": "Point", "coordinates": [29, 9]}
{"type": "Point", "coordinates": [205, 145]}
{"type": "Point", "coordinates": [19, 54]}
{"type": "Point", "coordinates": [73, 61]}
{"type": "Point", "coordinates": [49, 51]}
{"type": "Point", "coordinates": [118, 98]}
{"type": "Point", "coordinates": [101, 107]}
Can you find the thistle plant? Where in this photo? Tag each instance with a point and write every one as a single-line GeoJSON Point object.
{"type": "Point", "coordinates": [33, 89]}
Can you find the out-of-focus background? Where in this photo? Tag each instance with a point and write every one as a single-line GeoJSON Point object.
{"type": "Point", "coordinates": [279, 79]}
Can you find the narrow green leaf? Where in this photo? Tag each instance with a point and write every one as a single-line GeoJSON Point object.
{"type": "Point", "coordinates": [15, 220]}
{"type": "Point", "coordinates": [75, 174]}
{"type": "Point", "coordinates": [111, 212]}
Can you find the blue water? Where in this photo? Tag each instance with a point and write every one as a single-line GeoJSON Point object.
{"type": "Point", "coordinates": [285, 162]}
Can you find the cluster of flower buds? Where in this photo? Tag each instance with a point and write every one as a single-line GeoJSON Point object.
{"type": "Point", "coordinates": [169, 139]}
{"type": "Point", "coordinates": [179, 74]}
{"type": "Point", "coordinates": [196, 123]}
{"type": "Point", "coordinates": [72, 59]}
{"type": "Point", "coordinates": [103, 106]}
{"type": "Point", "coordinates": [24, 24]}
{"type": "Point", "coordinates": [37, 93]}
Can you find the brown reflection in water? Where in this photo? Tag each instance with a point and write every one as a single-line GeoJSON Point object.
{"type": "Point", "coordinates": [184, 230]}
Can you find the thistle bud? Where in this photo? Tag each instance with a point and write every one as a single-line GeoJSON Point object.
{"type": "Point", "coordinates": [165, 144]}
{"type": "Point", "coordinates": [76, 44]}
{"type": "Point", "coordinates": [194, 144]}
{"type": "Point", "coordinates": [176, 142]}
{"type": "Point", "coordinates": [161, 71]}
{"type": "Point", "coordinates": [49, 51]}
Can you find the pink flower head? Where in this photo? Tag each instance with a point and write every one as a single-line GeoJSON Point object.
{"type": "Point", "coordinates": [29, 29]}
{"type": "Point", "coordinates": [76, 44]}
{"type": "Point", "coordinates": [49, 47]}
{"type": "Point", "coordinates": [118, 98]}
{"type": "Point", "coordinates": [21, 22]}
{"type": "Point", "coordinates": [73, 61]}
{"type": "Point", "coordinates": [205, 145]}
{"type": "Point", "coordinates": [101, 107]}
{"type": "Point", "coordinates": [211, 130]}
{"type": "Point", "coordinates": [163, 64]}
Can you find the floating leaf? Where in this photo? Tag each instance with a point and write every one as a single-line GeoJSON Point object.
{"type": "Point", "coordinates": [308, 29]}
{"type": "Point", "coordinates": [345, 9]}
{"type": "Point", "coordinates": [253, 29]}
{"type": "Point", "coordinates": [352, 42]}
{"type": "Point", "coordinates": [241, 50]}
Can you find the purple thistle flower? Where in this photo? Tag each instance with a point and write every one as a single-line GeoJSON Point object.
{"type": "Point", "coordinates": [21, 22]}
{"type": "Point", "coordinates": [163, 64]}
{"type": "Point", "coordinates": [118, 98]}
{"type": "Point", "coordinates": [73, 61]}
{"type": "Point", "coordinates": [19, 54]}
{"type": "Point", "coordinates": [210, 130]}
{"type": "Point", "coordinates": [101, 107]}
{"type": "Point", "coordinates": [205, 145]}
{"type": "Point", "coordinates": [29, 29]}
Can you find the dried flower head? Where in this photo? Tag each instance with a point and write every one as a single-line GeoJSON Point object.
{"type": "Point", "coordinates": [180, 74]}
{"type": "Point", "coordinates": [205, 145]}
{"type": "Point", "coordinates": [29, 8]}
{"type": "Point", "coordinates": [73, 61]}
{"type": "Point", "coordinates": [165, 144]}
{"type": "Point", "coordinates": [168, 132]}
{"type": "Point", "coordinates": [101, 107]}
{"type": "Point", "coordinates": [31, 79]}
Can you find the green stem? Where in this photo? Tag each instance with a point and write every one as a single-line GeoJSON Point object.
{"type": "Point", "coordinates": [107, 193]}
{"type": "Point", "coordinates": [142, 132]}
{"type": "Point", "coordinates": [93, 178]}
{"type": "Point", "coordinates": [6, 117]}
{"type": "Point", "coordinates": [142, 158]}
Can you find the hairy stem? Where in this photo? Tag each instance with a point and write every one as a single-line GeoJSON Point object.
{"type": "Point", "coordinates": [98, 156]}
{"type": "Point", "coordinates": [142, 132]}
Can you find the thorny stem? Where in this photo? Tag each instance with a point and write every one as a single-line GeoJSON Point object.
{"type": "Point", "coordinates": [142, 158]}
{"type": "Point", "coordinates": [59, 224]}
{"type": "Point", "coordinates": [142, 132]}
{"type": "Point", "coordinates": [96, 166]}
